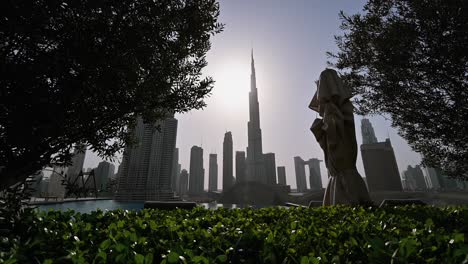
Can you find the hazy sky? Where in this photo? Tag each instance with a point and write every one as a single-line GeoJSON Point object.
{"type": "Point", "coordinates": [290, 39]}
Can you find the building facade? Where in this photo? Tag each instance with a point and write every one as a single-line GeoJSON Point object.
{"type": "Point", "coordinates": [146, 168]}
{"type": "Point", "coordinates": [197, 172]}
{"type": "Point", "coordinates": [183, 183]}
{"type": "Point", "coordinates": [315, 177]}
{"type": "Point", "coordinates": [228, 173]}
{"type": "Point", "coordinates": [241, 167]}
{"type": "Point", "coordinates": [368, 134]}
{"type": "Point", "coordinates": [56, 187]}
{"type": "Point", "coordinates": [175, 170]}
{"type": "Point", "coordinates": [102, 174]}
{"type": "Point", "coordinates": [414, 179]}
{"type": "Point", "coordinates": [213, 173]}
{"type": "Point", "coordinates": [299, 167]}
{"type": "Point", "coordinates": [35, 183]}
{"type": "Point", "coordinates": [270, 168]}
{"type": "Point", "coordinates": [433, 178]}
{"type": "Point", "coordinates": [44, 187]}
{"type": "Point", "coordinates": [76, 167]}
{"type": "Point", "coordinates": [380, 166]}
{"type": "Point", "coordinates": [281, 175]}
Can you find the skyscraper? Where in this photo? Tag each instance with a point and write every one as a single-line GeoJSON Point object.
{"type": "Point", "coordinates": [44, 188]}
{"type": "Point", "coordinates": [146, 168]}
{"type": "Point", "coordinates": [241, 169]}
{"type": "Point", "coordinates": [255, 164]}
{"type": "Point", "coordinates": [381, 168]}
{"type": "Point", "coordinates": [179, 168]}
{"type": "Point", "coordinates": [300, 174]}
{"type": "Point", "coordinates": [445, 183]}
{"type": "Point", "coordinates": [183, 182]}
{"type": "Point", "coordinates": [315, 177]}
{"type": "Point", "coordinates": [175, 170]}
{"type": "Point", "coordinates": [270, 168]}
{"type": "Point", "coordinates": [213, 173]}
{"type": "Point", "coordinates": [76, 167]}
{"type": "Point", "coordinates": [281, 175]}
{"type": "Point", "coordinates": [433, 178]}
{"type": "Point", "coordinates": [197, 172]}
{"type": "Point", "coordinates": [102, 174]}
{"type": "Point", "coordinates": [168, 142]}
{"type": "Point", "coordinates": [55, 186]}
{"type": "Point", "coordinates": [415, 178]}
{"type": "Point", "coordinates": [36, 183]}
{"type": "Point", "coordinates": [227, 162]}
{"type": "Point", "coordinates": [368, 135]}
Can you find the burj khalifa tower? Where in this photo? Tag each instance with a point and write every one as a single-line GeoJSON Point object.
{"type": "Point", "coordinates": [255, 161]}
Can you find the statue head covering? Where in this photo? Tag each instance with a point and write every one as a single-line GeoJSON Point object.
{"type": "Point", "coordinates": [330, 88]}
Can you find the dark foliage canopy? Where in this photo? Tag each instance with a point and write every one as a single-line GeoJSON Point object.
{"type": "Point", "coordinates": [79, 72]}
{"type": "Point", "coordinates": [409, 60]}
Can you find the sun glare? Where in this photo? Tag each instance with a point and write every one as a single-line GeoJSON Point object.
{"type": "Point", "coordinates": [232, 85]}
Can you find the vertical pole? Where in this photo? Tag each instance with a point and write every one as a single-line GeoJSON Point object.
{"type": "Point", "coordinates": [94, 179]}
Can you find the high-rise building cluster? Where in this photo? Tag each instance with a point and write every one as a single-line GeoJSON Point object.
{"type": "Point", "coordinates": [251, 165]}
{"type": "Point", "coordinates": [427, 178]}
{"type": "Point", "coordinates": [413, 179]}
{"type": "Point", "coordinates": [55, 187]}
{"type": "Point", "coordinates": [151, 170]}
{"type": "Point", "coordinates": [382, 172]}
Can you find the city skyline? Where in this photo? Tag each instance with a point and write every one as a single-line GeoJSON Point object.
{"type": "Point", "coordinates": [287, 65]}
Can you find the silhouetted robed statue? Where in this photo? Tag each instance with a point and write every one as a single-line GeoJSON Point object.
{"type": "Point", "coordinates": [337, 137]}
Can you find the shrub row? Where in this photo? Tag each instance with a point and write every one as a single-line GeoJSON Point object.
{"type": "Point", "coordinates": [416, 234]}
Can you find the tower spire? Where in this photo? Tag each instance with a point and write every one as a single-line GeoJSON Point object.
{"type": "Point", "coordinates": [252, 62]}
{"type": "Point", "coordinates": [255, 165]}
{"type": "Point", "coordinates": [253, 78]}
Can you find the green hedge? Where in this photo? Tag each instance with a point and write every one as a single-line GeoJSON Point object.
{"type": "Point", "coordinates": [411, 234]}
